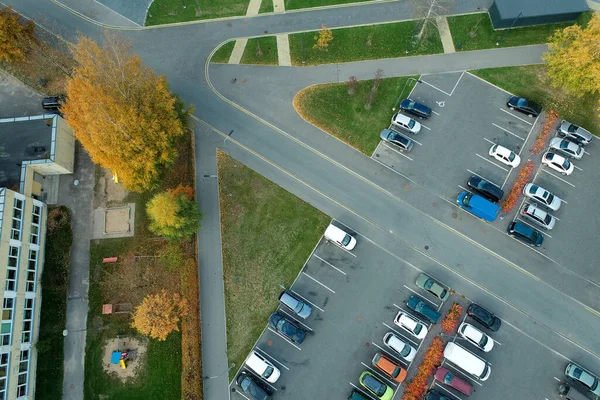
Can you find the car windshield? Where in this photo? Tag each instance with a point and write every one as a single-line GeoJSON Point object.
{"type": "Point", "coordinates": [547, 219]}
{"type": "Point", "coordinates": [405, 351]}
{"type": "Point", "coordinates": [411, 104]}
{"type": "Point", "coordinates": [245, 383]}
{"type": "Point", "coordinates": [418, 329]}
{"type": "Point", "coordinates": [375, 385]}
{"type": "Point", "coordinates": [564, 144]}
{"type": "Point", "coordinates": [411, 123]}
{"type": "Point", "coordinates": [567, 164]}
{"type": "Point", "coordinates": [572, 128]}
{"type": "Point", "coordinates": [396, 372]}
{"type": "Point", "coordinates": [448, 378]}
{"type": "Point", "coordinates": [443, 294]}
{"type": "Point", "coordinates": [299, 307]}
{"type": "Point", "coordinates": [483, 341]}
{"type": "Point", "coordinates": [511, 156]}
{"type": "Point", "coordinates": [522, 102]}
{"type": "Point", "coordinates": [268, 372]}
{"type": "Point", "coordinates": [428, 284]}
{"type": "Point", "coordinates": [346, 240]}
{"type": "Point", "coordinates": [466, 199]}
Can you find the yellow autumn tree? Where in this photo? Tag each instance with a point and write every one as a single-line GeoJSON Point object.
{"type": "Point", "coordinates": [174, 214]}
{"type": "Point", "coordinates": [122, 112]}
{"type": "Point", "coordinates": [573, 58]}
{"type": "Point", "coordinates": [159, 314]}
{"type": "Point", "coordinates": [13, 35]}
{"type": "Point", "coordinates": [325, 36]}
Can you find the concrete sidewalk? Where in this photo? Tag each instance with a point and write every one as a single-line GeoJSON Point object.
{"type": "Point", "coordinates": [445, 35]}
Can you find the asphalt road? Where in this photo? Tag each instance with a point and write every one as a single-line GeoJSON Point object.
{"type": "Point", "coordinates": [348, 185]}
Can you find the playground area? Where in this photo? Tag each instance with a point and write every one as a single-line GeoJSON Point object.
{"type": "Point", "coordinates": [122, 356]}
{"type": "Point", "coordinates": [112, 217]}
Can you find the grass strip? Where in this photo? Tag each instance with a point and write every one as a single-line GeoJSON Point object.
{"type": "Point", "coordinates": [261, 50]}
{"type": "Point", "coordinates": [224, 53]}
{"type": "Point", "coordinates": [171, 11]}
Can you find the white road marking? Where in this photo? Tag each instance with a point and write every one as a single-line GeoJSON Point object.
{"type": "Point", "coordinates": [454, 88]}
{"type": "Point", "coordinates": [586, 152]}
{"type": "Point", "coordinates": [476, 174]}
{"type": "Point", "coordinates": [507, 131]}
{"type": "Point", "coordinates": [429, 84]}
{"type": "Point", "coordinates": [513, 115]}
{"type": "Point", "coordinates": [557, 379]}
{"type": "Point", "coordinates": [494, 164]}
{"type": "Point", "coordinates": [421, 296]}
{"type": "Point", "coordinates": [529, 134]}
{"type": "Point", "coordinates": [560, 179]}
{"type": "Point", "coordinates": [284, 338]}
{"type": "Point", "coordinates": [489, 141]}
{"type": "Point", "coordinates": [331, 265]}
{"type": "Point", "coordinates": [242, 394]}
{"type": "Point", "coordinates": [388, 167]}
{"type": "Point", "coordinates": [426, 127]}
{"type": "Point", "coordinates": [464, 188]}
{"type": "Point", "coordinates": [576, 167]}
{"type": "Point", "coordinates": [397, 151]}
{"type": "Point", "coordinates": [309, 302]}
{"type": "Point", "coordinates": [435, 113]}
{"type": "Point", "coordinates": [379, 374]}
{"type": "Point", "coordinates": [491, 84]}
{"type": "Point", "coordinates": [531, 226]}
{"type": "Point", "coordinates": [326, 287]}
{"type": "Point", "coordinates": [282, 310]}
{"type": "Point", "coordinates": [264, 353]}
{"type": "Point", "coordinates": [400, 335]}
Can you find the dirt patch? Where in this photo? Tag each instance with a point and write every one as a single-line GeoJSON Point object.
{"type": "Point", "coordinates": [136, 348]}
{"type": "Point", "coordinates": [117, 220]}
{"type": "Point", "coordinates": [109, 193]}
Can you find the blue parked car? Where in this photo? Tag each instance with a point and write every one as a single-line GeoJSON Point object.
{"type": "Point", "coordinates": [419, 306]}
{"type": "Point", "coordinates": [478, 206]}
{"type": "Point", "coordinates": [287, 328]}
{"type": "Point", "coordinates": [417, 109]}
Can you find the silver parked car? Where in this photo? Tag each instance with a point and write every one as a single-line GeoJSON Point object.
{"type": "Point", "coordinates": [575, 133]}
{"type": "Point", "coordinates": [533, 213]}
{"type": "Point", "coordinates": [542, 196]}
{"type": "Point", "coordinates": [567, 148]}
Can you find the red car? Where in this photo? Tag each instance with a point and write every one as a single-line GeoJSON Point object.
{"type": "Point", "coordinates": [445, 376]}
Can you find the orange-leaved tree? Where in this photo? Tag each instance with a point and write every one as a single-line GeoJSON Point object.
{"type": "Point", "coordinates": [122, 112]}
{"type": "Point", "coordinates": [14, 35]}
{"type": "Point", "coordinates": [159, 314]}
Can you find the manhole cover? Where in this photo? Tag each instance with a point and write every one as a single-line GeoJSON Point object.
{"type": "Point", "coordinates": [426, 247]}
{"type": "Point", "coordinates": [377, 155]}
{"type": "Point", "coordinates": [454, 215]}
{"type": "Point", "coordinates": [368, 344]}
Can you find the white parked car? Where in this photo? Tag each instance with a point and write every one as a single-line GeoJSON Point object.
{"type": "Point", "coordinates": [405, 350]}
{"type": "Point", "coordinates": [558, 163]}
{"type": "Point", "coordinates": [542, 196]}
{"type": "Point", "coordinates": [476, 337]}
{"type": "Point", "coordinates": [504, 155]}
{"type": "Point", "coordinates": [411, 325]}
{"type": "Point", "coordinates": [406, 123]}
{"type": "Point", "coordinates": [566, 147]}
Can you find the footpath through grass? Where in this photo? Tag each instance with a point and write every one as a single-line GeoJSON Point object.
{"type": "Point", "coordinates": [53, 316]}
{"type": "Point", "coordinates": [475, 32]}
{"type": "Point", "coordinates": [298, 4]}
{"type": "Point", "coordinates": [171, 11]}
{"type": "Point", "coordinates": [267, 233]}
{"type": "Point", "coordinates": [344, 115]}
{"type": "Point", "coordinates": [531, 82]}
{"type": "Point", "coordinates": [364, 43]}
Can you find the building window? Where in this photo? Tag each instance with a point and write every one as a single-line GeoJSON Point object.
{"type": "Point", "coordinates": [27, 321]}
{"type": "Point", "coordinates": [15, 232]}
{"type": "Point", "coordinates": [11, 269]}
{"type": "Point", "coordinates": [23, 373]}
{"type": "Point", "coordinates": [34, 236]}
{"type": "Point", "coordinates": [7, 320]}
{"type": "Point", "coordinates": [4, 358]}
{"type": "Point", "coordinates": [31, 270]}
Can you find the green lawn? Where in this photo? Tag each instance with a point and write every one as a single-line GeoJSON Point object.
{"type": "Point", "coordinates": [267, 235]}
{"type": "Point", "coordinates": [53, 317]}
{"type": "Point", "coordinates": [344, 116]}
{"type": "Point", "coordinates": [531, 82]}
{"type": "Point", "coordinates": [170, 11]}
{"type": "Point", "coordinates": [161, 377]}
{"type": "Point", "coordinates": [261, 50]}
{"type": "Point", "coordinates": [266, 6]}
{"type": "Point", "coordinates": [222, 55]}
{"type": "Point", "coordinates": [297, 4]}
{"type": "Point", "coordinates": [365, 43]}
{"type": "Point", "coordinates": [475, 32]}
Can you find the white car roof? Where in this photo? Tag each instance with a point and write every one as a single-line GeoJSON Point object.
{"type": "Point", "coordinates": [402, 118]}
{"type": "Point", "coordinates": [503, 151]}
{"type": "Point", "coordinates": [473, 333]}
{"type": "Point", "coordinates": [408, 322]}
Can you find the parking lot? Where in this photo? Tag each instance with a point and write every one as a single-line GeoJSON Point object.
{"type": "Point", "coordinates": [355, 297]}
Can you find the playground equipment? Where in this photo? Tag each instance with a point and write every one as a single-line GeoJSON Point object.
{"type": "Point", "coordinates": [119, 357]}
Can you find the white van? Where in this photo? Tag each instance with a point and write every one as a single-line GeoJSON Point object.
{"type": "Point", "coordinates": [262, 367]}
{"type": "Point", "coordinates": [340, 237]}
{"type": "Point", "coordinates": [467, 361]}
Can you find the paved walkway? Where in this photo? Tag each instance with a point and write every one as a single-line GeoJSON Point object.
{"type": "Point", "coordinates": [79, 200]}
{"type": "Point", "coordinates": [238, 51]}
{"type": "Point", "coordinates": [278, 6]}
{"type": "Point", "coordinates": [283, 50]}
{"type": "Point", "coordinates": [445, 35]}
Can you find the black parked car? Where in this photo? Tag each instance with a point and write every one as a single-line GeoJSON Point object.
{"type": "Point", "coordinates": [434, 395]}
{"type": "Point", "coordinates": [251, 388]}
{"type": "Point", "coordinates": [486, 189]}
{"type": "Point", "coordinates": [286, 328]}
{"type": "Point", "coordinates": [484, 317]}
{"type": "Point", "coordinates": [417, 109]}
{"type": "Point", "coordinates": [523, 105]}
{"type": "Point", "coordinates": [525, 233]}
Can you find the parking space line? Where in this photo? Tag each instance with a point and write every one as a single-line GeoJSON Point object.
{"type": "Point", "coordinates": [560, 179]}
{"type": "Point", "coordinates": [421, 296]}
{"type": "Point", "coordinates": [464, 188]}
{"type": "Point", "coordinates": [435, 113]}
{"type": "Point", "coordinates": [264, 353]}
{"type": "Point", "coordinates": [454, 88]}
{"type": "Point", "coordinates": [446, 390]}
{"type": "Point", "coordinates": [388, 167]}
{"type": "Point", "coordinates": [400, 334]}
{"type": "Point", "coordinates": [429, 84]}
{"type": "Point", "coordinates": [476, 174]}
{"type": "Point", "coordinates": [379, 374]}
{"type": "Point", "coordinates": [557, 379]}
{"type": "Point", "coordinates": [326, 287]}
{"type": "Point", "coordinates": [512, 115]}
{"type": "Point", "coordinates": [241, 394]}
{"type": "Point", "coordinates": [280, 309]}
{"type": "Point", "coordinates": [576, 167]}
{"type": "Point", "coordinates": [389, 354]}
{"type": "Point", "coordinates": [397, 151]}
{"type": "Point", "coordinates": [332, 266]}
{"type": "Point", "coordinates": [586, 152]}
{"type": "Point", "coordinates": [425, 127]}
{"type": "Point", "coordinates": [356, 387]}
{"type": "Point", "coordinates": [489, 141]}
{"type": "Point", "coordinates": [427, 324]}
{"type": "Point", "coordinates": [531, 226]}
{"type": "Point", "coordinates": [309, 302]}
{"type": "Point", "coordinates": [284, 338]}
{"type": "Point", "coordinates": [494, 164]}
{"type": "Point", "coordinates": [507, 131]}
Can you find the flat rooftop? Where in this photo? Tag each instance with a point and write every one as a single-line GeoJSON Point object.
{"type": "Point", "coordinates": [23, 139]}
